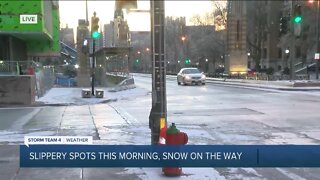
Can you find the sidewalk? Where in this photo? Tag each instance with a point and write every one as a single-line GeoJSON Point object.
{"type": "Point", "coordinates": [108, 126]}
{"type": "Point", "coordinates": [73, 96]}
{"type": "Point", "coordinates": [276, 85]}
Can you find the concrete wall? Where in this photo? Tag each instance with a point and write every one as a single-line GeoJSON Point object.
{"type": "Point", "coordinates": [17, 90]}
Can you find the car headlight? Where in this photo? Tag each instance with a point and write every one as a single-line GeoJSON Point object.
{"type": "Point", "coordinates": [187, 77]}
{"type": "Point", "coordinates": [203, 76]}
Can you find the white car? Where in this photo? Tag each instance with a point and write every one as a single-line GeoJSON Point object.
{"type": "Point", "coordinates": [191, 76]}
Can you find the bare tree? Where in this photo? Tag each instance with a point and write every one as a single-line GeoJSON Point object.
{"type": "Point", "coordinates": [204, 20]}
{"type": "Point", "coordinates": [220, 14]}
{"type": "Point", "coordinates": [257, 25]}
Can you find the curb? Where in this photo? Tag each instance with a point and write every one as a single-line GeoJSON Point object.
{"type": "Point", "coordinates": [247, 85]}
{"type": "Point", "coordinates": [263, 87]}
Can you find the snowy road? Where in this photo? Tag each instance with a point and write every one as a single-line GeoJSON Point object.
{"type": "Point", "coordinates": [236, 115]}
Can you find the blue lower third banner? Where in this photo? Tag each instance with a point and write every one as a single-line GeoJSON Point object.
{"type": "Point", "coordinates": [170, 156]}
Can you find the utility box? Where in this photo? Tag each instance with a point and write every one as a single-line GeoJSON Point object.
{"type": "Point", "coordinates": [86, 93]}
{"type": "Point", "coordinates": [99, 93]}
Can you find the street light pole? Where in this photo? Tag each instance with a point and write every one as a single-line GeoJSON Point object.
{"type": "Point", "coordinates": [93, 66]}
{"type": "Point", "coordinates": [318, 45]}
{"type": "Point", "coordinates": [292, 44]}
{"type": "Point", "coordinates": [87, 21]}
{"type": "Point", "coordinates": [183, 38]}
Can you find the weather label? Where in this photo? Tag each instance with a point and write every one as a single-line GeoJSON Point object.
{"type": "Point", "coordinates": [32, 140]}
{"type": "Point", "coordinates": [89, 155]}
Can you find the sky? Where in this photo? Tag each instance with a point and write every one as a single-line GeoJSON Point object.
{"type": "Point", "coordinates": [71, 11]}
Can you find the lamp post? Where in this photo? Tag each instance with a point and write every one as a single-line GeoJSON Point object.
{"type": "Point", "coordinates": [146, 59]}
{"type": "Point", "coordinates": [292, 43]}
{"type": "Point", "coordinates": [318, 45]}
{"type": "Point", "coordinates": [183, 39]}
{"type": "Point", "coordinates": [206, 65]}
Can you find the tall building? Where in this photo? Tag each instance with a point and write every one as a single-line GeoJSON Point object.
{"type": "Point", "coordinates": [67, 36]}
{"type": "Point", "coordinates": [116, 33]}
{"type": "Point", "coordinates": [108, 38]}
{"type": "Point", "coordinates": [236, 60]}
{"type": "Point", "coordinates": [21, 41]}
{"type": "Point", "coordinates": [269, 35]}
{"type": "Point", "coordinates": [121, 32]}
{"type": "Point", "coordinates": [83, 76]}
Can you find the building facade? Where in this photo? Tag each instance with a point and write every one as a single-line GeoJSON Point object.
{"type": "Point", "coordinates": [20, 41]}
{"type": "Point", "coordinates": [67, 36]}
{"type": "Point", "coordinates": [236, 61]}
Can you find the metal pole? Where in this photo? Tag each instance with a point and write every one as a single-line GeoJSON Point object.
{"type": "Point", "coordinates": [93, 66]}
{"type": "Point", "coordinates": [87, 21]}
{"type": "Point", "coordinates": [318, 42]}
{"type": "Point", "coordinates": [158, 114]}
{"type": "Point", "coordinates": [128, 61]}
{"type": "Point", "coordinates": [292, 45]}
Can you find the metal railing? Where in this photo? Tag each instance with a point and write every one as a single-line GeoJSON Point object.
{"type": "Point", "coordinates": [17, 67]}
{"type": "Point", "coordinates": [44, 75]}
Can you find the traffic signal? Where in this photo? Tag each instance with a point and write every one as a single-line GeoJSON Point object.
{"type": "Point", "coordinates": [95, 34]}
{"type": "Point", "coordinates": [187, 61]}
{"type": "Point", "coordinates": [297, 18]}
{"type": "Point", "coordinates": [137, 60]}
{"type": "Point", "coordinates": [283, 25]}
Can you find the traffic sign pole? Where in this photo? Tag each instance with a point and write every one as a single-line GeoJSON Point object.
{"type": "Point", "coordinates": [159, 101]}
{"type": "Point", "coordinates": [93, 66]}
{"type": "Point", "coordinates": [318, 42]}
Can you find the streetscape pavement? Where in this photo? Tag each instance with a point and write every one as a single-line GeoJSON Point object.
{"type": "Point", "coordinates": [71, 115]}
{"type": "Point", "coordinates": [84, 117]}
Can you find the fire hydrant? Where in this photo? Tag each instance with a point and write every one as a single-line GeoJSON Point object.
{"type": "Point", "coordinates": [174, 137]}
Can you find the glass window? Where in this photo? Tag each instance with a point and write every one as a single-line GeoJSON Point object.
{"type": "Point", "coordinates": [191, 71]}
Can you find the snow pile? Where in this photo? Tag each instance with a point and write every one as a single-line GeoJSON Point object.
{"type": "Point", "coordinates": [74, 96]}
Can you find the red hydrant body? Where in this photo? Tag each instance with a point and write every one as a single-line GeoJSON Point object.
{"type": "Point", "coordinates": [174, 137]}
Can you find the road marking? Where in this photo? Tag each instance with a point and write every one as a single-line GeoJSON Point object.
{"type": "Point", "coordinates": [289, 174]}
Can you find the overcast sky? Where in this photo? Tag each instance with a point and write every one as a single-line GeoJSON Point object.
{"type": "Point", "coordinates": [71, 11]}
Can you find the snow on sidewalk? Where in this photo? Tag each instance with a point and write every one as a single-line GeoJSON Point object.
{"type": "Point", "coordinates": [73, 96]}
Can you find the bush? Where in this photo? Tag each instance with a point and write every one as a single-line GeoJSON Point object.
{"type": "Point", "coordinates": [286, 71]}
{"type": "Point", "coordinates": [270, 71]}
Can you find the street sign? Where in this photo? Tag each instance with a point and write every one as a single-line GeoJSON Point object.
{"type": "Point", "coordinates": [317, 56]}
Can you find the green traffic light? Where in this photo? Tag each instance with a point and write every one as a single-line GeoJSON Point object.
{"type": "Point", "coordinates": [137, 60]}
{"type": "Point", "coordinates": [297, 19]}
{"type": "Point", "coordinates": [95, 35]}
{"type": "Point", "coordinates": [187, 61]}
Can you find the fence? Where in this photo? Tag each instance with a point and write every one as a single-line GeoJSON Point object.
{"type": "Point", "coordinates": [44, 74]}
{"type": "Point", "coordinates": [17, 67]}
